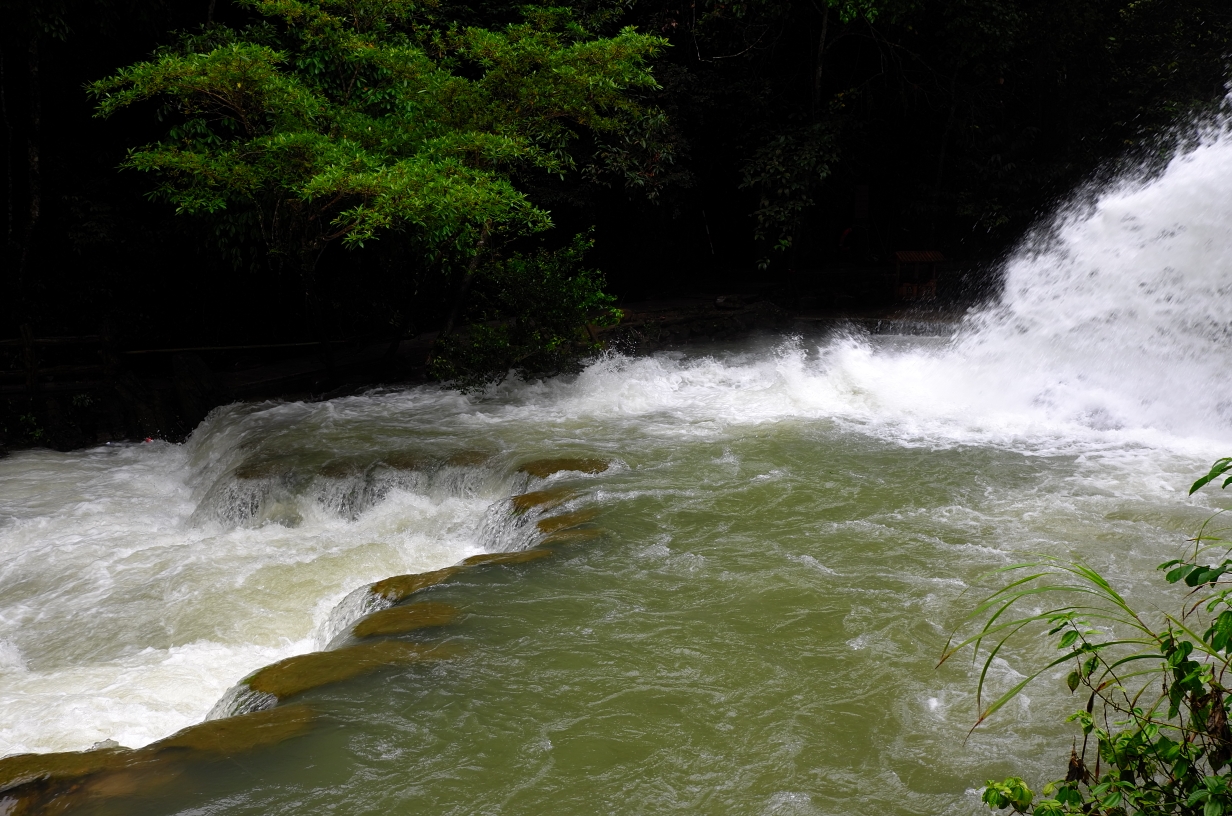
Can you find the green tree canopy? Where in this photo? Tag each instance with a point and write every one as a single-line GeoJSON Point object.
{"type": "Point", "coordinates": [344, 119]}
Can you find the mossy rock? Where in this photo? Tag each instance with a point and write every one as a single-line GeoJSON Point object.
{"type": "Point", "coordinates": [520, 557]}
{"type": "Point", "coordinates": [138, 778]}
{"type": "Point", "coordinates": [565, 520]}
{"type": "Point", "coordinates": [468, 458]}
{"type": "Point", "coordinates": [344, 468]}
{"type": "Point", "coordinates": [259, 469]}
{"type": "Point", "coordinates": [65, 782]}
{"type": "Point", "coordinates": [401, 619]}
{"type": "Point", "coordinates": [63, 791]}
{"type": "Point", "coordinates": [575, 535]}
{"type": "Point", "coordinates": [246, 732]}
{"type": "Point", "coordinates": [301, 673]}
{"type": "Point", "coordinates": [543, 468]}
{"type": "Point", "coordinates": [23, 769]}
{"type": "Point", "coordinates": [541, 499]}
{"type": "Point", "coordinates": [400, 587]}
{"type": "Point", "coordinates": [404, 460]}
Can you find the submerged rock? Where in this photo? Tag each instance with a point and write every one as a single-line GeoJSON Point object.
{"type": "Point", "coordinates": [401, 619]}
{"type": "Point", "coordinates": [246, 732]}
{"type": "Point", "coordinates": [468, 458]}
{"type": "Point", "coordinates": [65, 782]}
{"type": "Point", "coordinates": [520, 557]}
{"type": "Point", "coordinates": [263, 468]}
{"type": "Point", "coordinates": [574, 535]}
{"type": "Point", "coordinates": [404, 460]}
{"type": "Point", "coordinates": [342, 468]}
{"type": "Point", "coordinates": [543, 468]}
{"type": "Point", "coordinates": [303, 672]}
{"type": "Point", "coordinates": [565, 520]}
{"type": "Point", "coordinates": [400, 587]}
{"type": "Point", "coordinates": [541, 499]}
{"type": "Point", "coordinates": [25, 769]}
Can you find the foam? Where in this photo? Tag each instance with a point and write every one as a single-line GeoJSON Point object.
{"type": "Point", "coordinates": [173, 574]}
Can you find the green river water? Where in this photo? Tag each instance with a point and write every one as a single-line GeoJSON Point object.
{"type": "Point", "coordinates": [753, 556]}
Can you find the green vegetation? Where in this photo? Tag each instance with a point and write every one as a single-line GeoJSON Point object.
{"type": "Point", "coordinates": [357, 174]}
{"type": "Point", "coordinates": [1155, 734]}
{"type": "Point", "coordinates": [531, 318]}
{"type": "Point", "coordinates": [327, 121]}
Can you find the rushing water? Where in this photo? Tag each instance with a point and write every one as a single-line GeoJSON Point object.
{"type": "Point", "coordinates": [781, 544]}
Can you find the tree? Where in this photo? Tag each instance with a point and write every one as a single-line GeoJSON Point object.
{"type": "Point", "coordinates": [528, 318]}
{"type": "Point", "coordinates": [345, 120]}
{"type": "Point", "coordinates": [795, 158]}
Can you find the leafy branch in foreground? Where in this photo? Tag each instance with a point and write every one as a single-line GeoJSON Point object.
{"type": "Point", "coordinates": [1155, 734]}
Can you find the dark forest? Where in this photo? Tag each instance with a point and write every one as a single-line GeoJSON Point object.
{"type": "Point", "coordinates": [788, 149]}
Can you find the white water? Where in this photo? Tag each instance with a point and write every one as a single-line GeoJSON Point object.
{"type": "Point", "coordinates": [138, 583]}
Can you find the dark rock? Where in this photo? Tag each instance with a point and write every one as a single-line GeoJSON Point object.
{"type": "Point", "coordinates": [401, 619]}
{"type": "Point", "coordinates": [400, 587]}
{"type": "Point", "coordinates": [578, 517]}
{"type": "Point", "coordinates": [520, 557]}
{"type": "Point", "coordinates": [68, 782]}
{"type": "Point", "coordinates": [541, 499]}
{"type": "Point", "coordinates": [543, 468]}
{"type": "Point", "coordinates": [572, 535]}
{"type": "Point", "coordinates": [303, 672]}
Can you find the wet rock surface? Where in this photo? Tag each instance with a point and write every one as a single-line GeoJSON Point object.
{"type": "Point", "coordinates": [552, 524]}
{"type": "Point", "coordinates": [543, 468]}
{"type": "Point", "coordinates": [522, 557]}
{"type": "Point", "coordinates": [575, 535]}
{"type": "Point", "coordinates": [401, 619]}
{"type": "Point", "coordinates": [541, 499]}
{"type": "Point", "coordinates": [298, 674]}
{"type": "Point", "coordinates": [400, 587]}
{"type": "Point", "coordinates": [65, 782]}
{"type": "Point", "coordinates": [653, 327]}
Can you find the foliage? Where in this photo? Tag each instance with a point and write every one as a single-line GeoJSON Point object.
{"type": "Point", "coordinates": [528, 319]}
{"type": "Point", "coordinates": [344, 120]}
{"type": "Point", "coordinates": [1157, 693]}
{"type": "Point", "coordinates": [963, 120]}
{"type": "Point", "coordinates": [785, 175]}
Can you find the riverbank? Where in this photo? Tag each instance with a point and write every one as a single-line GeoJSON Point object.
{"type": "Point", "coordinates": [145, 393]}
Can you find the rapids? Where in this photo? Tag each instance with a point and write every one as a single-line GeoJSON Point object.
{"type": "Point", "coordinates": [788, 527]}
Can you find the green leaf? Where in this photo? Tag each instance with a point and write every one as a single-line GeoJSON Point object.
{"type": "Point", "coordinates": [1180, 572]}
{"type": "Point", "coordinates": [1218, 469]}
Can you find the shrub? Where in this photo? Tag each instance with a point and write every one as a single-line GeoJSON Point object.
{"type": "Point", "coordinates": [1155, 735]}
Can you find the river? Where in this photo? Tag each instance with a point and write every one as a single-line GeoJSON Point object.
{"type": "Point", "coordinates": [755, 554]}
